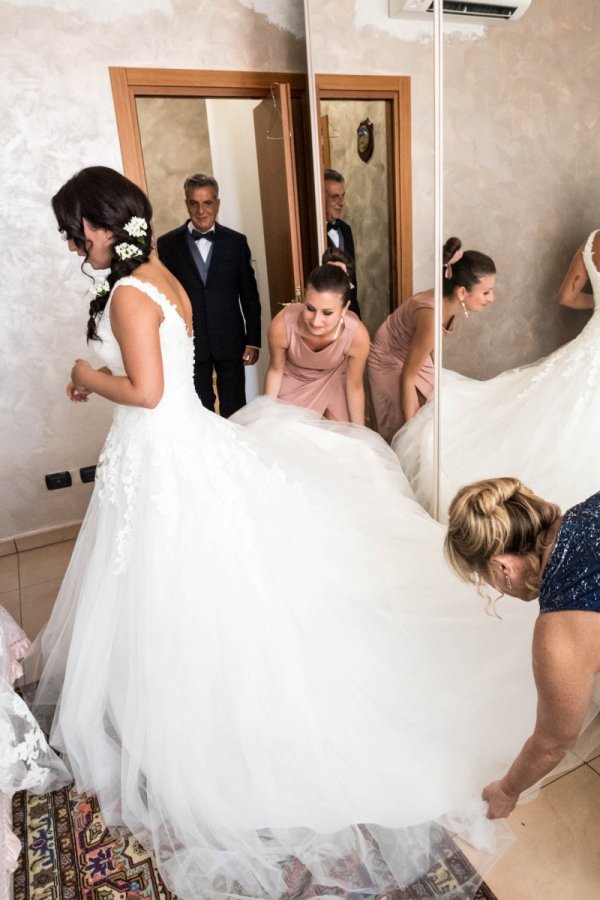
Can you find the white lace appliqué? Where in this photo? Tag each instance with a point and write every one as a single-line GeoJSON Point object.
{"type": "Point", "coordinates": [21, 741]}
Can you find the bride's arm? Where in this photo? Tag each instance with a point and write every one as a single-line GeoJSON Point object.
{"type": "Point", "coordinates": [82, 395]}
{"type": "Point", "coordinates": [571, 292]}
{"type": "Point", "coordinates": [135, 321]}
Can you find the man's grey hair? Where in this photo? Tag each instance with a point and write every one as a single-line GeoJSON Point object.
{"type": "Point", "coordinates": [200, 181]}
{"type": "Point", "coordinates": [332, 175]}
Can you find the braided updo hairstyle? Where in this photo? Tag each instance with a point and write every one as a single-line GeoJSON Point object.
{"type": "Point", "coordinates": [466, 271]}
{"type": "Point", "coordinates": [493, 517]}
{"type": "Point", "coordinates": [107, 200]}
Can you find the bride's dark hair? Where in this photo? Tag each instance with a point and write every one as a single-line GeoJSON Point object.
{"type": "Point", "coordinates": [107, 200]}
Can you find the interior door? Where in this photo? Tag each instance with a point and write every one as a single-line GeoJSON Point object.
{"type": "Point", "coordinates": [279, 196]}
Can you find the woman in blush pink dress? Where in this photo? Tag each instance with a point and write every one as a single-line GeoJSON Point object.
{"type": "Point", "coordinates": [400, 365]}
{"type": "Point", "coordinates": [319, 349]}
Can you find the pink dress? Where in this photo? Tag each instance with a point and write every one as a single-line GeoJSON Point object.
{"type": "Point", "coordinates": [316, 379]}
{"type": "Point", "coordinates": [386, 359]}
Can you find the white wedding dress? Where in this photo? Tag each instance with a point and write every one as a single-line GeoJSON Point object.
{"type": "Point", "coordinates": [539, 423]}
{"type": "Point", "coordinates": [259, 648]}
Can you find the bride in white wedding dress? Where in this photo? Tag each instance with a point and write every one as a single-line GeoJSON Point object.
{"type": "Point", "coordinates": [539, 423]}
{"type": "Point", "coordinates": [258, 653]}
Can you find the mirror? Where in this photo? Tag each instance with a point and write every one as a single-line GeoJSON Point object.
{"type": "Point", "coordinates": [521, 155]}
{"type": "Point", "coordinates": [366, 137]}
{"type": "Point", "coordinates": [250, 132]}
{"type": "Point", "coordinates": [519, 149]}
{"type": "Point", "coordinates": [386, 79]}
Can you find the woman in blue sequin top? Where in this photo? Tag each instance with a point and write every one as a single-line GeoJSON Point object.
{"type": "Point", "coordinates": [502, 533]}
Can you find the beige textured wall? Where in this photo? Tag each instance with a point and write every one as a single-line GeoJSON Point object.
{"type": "Point", "coordinates": [175, 143]}
{"type": "Point", "coordinates": [57, 116]}
{"type": "Point", "coordinates": [522, 148]}
{"type": "Point", "coordinates": [366, 208]}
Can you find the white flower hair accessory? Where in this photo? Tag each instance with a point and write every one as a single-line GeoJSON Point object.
{"type": "Point", "coordinates": [100, 289]}
{"type": "Point", "coordinates": [137, 228]}
{"type": "Point", "coordinates": [128, 251]}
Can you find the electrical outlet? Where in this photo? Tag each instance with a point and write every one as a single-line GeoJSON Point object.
{"type": "Point", "coordinates": [87, 474]}
{"type": "Point", "coordinates": [57, 480]}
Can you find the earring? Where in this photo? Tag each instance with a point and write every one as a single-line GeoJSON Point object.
{"type": "Point", "coordinates": [508, 582]}
{"type": "Point", "coordinates": [464, 309]}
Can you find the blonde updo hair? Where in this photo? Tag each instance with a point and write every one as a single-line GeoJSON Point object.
{"type": "Point", "coordinates": [493, 517]}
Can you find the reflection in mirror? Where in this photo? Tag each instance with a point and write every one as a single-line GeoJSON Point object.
{"type": "Point", "coordinates": [521, 185]}
{"type": "Point", "coordinates": [366, 139]}
{"type": "Point", "coordinates": [535, 161]}
{"type": "Point", "coordinates": [399, 51]}
{"type": "Point", "coordinates": [366, 197]}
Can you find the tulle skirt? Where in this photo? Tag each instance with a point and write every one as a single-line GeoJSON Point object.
{"type": "Point", "coordinates": [539, 423]}
{"type": "Point", "coordinates": [259, 654]}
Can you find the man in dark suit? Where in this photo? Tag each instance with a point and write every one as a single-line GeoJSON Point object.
{"type": "Point", "coordinates": [339, 233]}
{"type": "Point", "coordinates": [213, 265]}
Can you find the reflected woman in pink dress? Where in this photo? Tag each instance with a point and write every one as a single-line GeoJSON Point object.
{"type": "Point", "coordinates": [400, 365]}
{"type": "Point", "coordinates": [319, 349]}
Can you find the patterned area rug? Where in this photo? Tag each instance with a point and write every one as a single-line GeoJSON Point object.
{"type": "Point", "coordinates": [69, 854]}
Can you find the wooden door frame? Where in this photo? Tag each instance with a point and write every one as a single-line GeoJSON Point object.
{"type": "Point", "coordinates": [129, 83]}
{"type": "Point", "coordinates": [396, 90]}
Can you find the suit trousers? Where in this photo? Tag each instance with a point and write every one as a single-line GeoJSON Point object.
{"type": "Point", "coordinates": [231, 384]}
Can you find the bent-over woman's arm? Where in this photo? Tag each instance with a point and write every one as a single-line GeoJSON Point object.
{"type": "Point", "coordinates": [565, 662]}
{"type": "Point", "coordinates": [355, 373]}
{"type": "Point", "coordinates": [420, 349]}
{"type": "Point", "coordinates": [278, 346]}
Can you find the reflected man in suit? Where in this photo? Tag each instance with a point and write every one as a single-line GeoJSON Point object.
{"type": "Point", "coordinates": [339, 233]}
{"type": "Point", "coordinates": [212, 263]}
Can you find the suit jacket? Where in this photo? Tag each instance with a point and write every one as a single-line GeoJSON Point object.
{"type": "Point", "coordinates": [226, 309]}
{"type": "Point", "coordinates": [348, 242]}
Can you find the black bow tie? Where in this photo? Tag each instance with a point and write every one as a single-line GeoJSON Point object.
{"type": "Point", "coordinates": [333, 226]}
{"type": "Point", "coordinates": [208, 236]}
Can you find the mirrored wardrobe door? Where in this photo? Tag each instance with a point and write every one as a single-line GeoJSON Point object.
{"type": "Point", "coordinates": [521, 154]}
{"type": "Point", "coordinates": [374, 113]}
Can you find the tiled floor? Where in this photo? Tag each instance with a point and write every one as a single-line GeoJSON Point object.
{"type": "Point", "coordinates": [31, 573]}
{"type": "Point", "coordinates": [557, 852]}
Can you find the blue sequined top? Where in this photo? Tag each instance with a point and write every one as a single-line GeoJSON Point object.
{"type": "Point", "coordinates": [571, 579]}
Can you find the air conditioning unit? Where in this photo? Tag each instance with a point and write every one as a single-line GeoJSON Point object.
{"type": "Point", "coordinates": [462, 10]}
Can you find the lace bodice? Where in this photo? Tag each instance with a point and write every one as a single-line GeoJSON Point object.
{"type": "Point", "coordinates": [177, 347]}
{"type": "Point", "coordinates": [157, 443]}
